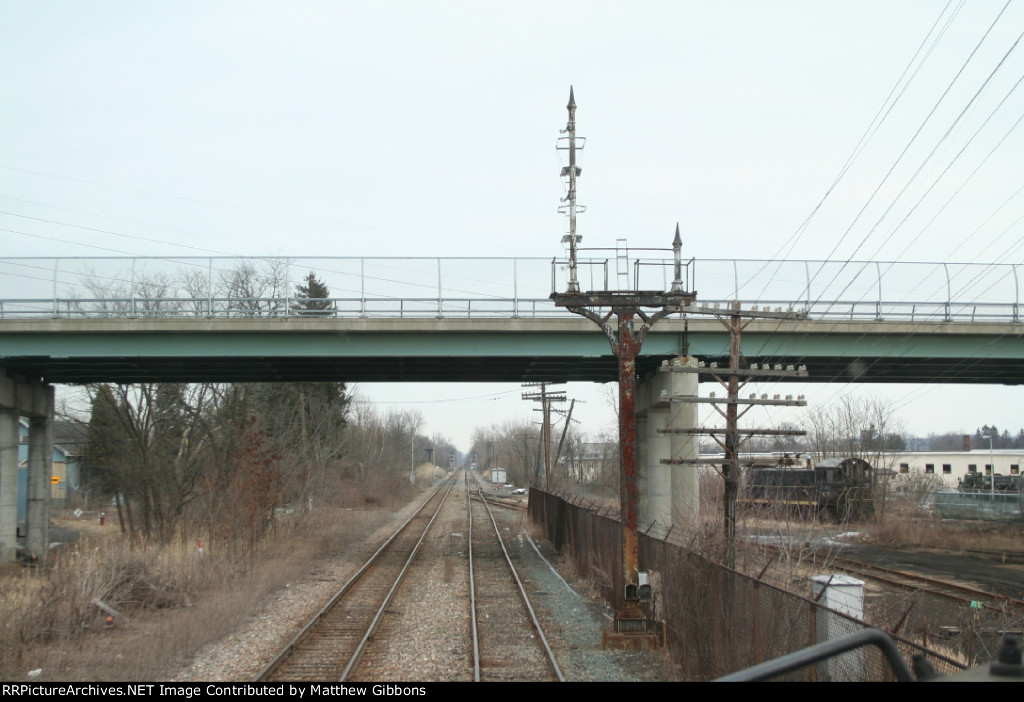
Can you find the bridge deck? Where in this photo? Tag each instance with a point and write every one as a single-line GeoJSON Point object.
{"type": "Point", "coordinates": [512, 350]}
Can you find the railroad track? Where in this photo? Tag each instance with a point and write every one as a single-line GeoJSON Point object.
{"type": "Point", "coordinates": [997, 555]}
{"type": "Point", "coordinates": [353, 637]}
{"type": "Point", "coordinates": [935, 586]}
{"type": "Point", "coordinates": [507, 502]}
{"type": "Point", "coordinates": [508, 641]}
{"type": "Point", "coordinates": [331, 644]}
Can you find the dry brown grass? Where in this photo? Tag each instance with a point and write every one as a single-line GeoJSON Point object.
{"type": "Point", "coordinates": [174, 601]}
{"type": "Point", "coordinates": [931, 532]}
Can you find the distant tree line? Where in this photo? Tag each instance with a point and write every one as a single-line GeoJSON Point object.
{"type": "Point", "coordinates": [950, 441]}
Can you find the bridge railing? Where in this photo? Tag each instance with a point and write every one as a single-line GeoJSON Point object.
{"type": "Point", "coordinates": [181, 308]}
{"type": "Point", "coordinates": [495, 287]}
{"type": "Point", "coordinates": [456, 308]}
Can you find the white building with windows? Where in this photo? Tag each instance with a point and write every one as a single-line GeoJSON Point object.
{"type": "Point", "coordinates": [951, 467]}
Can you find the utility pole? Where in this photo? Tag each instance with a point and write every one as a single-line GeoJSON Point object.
{"type": "Point", "coordinates": [565, 430]}
{"type": "Point", "coordinates": [545, 397]}
{"type": "Point", "coordinates": [733, 379]}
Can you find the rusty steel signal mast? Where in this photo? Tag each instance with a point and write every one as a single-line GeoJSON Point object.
{"type": "Point", "coordinates": [626, 324]}
{"type": "Point", "coordinates": [621, 315]}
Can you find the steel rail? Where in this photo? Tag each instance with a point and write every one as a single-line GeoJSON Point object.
{"type": "Point", "coordinates": [933, 586]}
{"type": "Point", "coordinates": [472, 582]}
{"type": "Point", "coordinates": [522, 589]}
{"type": "Point", "coordinates": [1000, 555]}
{"type": "Point", "coordinates": [361, 647]}
{"type": "Point", "coordinates": [310, 626]}
{"type": "Point", "coordinates": [507, 503]}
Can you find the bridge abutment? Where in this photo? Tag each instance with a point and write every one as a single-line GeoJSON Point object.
{"type": "Point", "coordinates": [669, 494]}
{"type": "Point", "coordinates": [34, 401]}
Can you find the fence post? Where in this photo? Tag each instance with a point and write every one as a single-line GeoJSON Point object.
{"type": "Point", "coordinates": [133, 287]}
{"type": "Point", "coordinates": [1016, 293]}
{"type": "Point", "coordinates": [515, 287]}
{"type": "Point", "coordinates": [56, 307]}
{"type": "Point", "coordinates": [807, 275]}
{"type": "Point", "coordinates": [736, 280]}
{"type": "Point", "coordinates": [878, 312]}
{"type": "Point", "coordinates": [949, 294]}
{"type": "Point", "coordinates": [288, 287]}
{"type": "Point", "coordinates": [757, 622]}
{"type": "Point", "coordinates": [812, 636]}
{"type": "Point", "coordinates": [716, 634]}
{"type": "Point", "coordinates": [362, 287]}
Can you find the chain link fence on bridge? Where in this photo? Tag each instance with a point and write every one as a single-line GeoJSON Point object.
{"type": "Point", "coordinates": [495, 287]}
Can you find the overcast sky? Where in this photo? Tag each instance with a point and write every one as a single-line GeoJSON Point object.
{"type": "Point", "coordinates": [428, 129]}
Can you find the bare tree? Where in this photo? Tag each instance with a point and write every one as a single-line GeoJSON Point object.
{"type": "Point", "coordinates": [198, 291]}
{"type": "Point", "coordinates": [156, 437]}
{"type": "Point", "coordinates": [256, 289]}
{"type": "Point", "coordinates": [865, 428]}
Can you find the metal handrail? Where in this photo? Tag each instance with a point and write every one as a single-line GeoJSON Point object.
{"type": "Point", "coordinates": [464, 307]}
{"type": "Point", "coordinates": [823, 651]}
{"type": "Point", "coordinates": [495, 287]}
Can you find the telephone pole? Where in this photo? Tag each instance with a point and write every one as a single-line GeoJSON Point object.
{"type": "Point", "coordinates": [545, 397]}
{"type": "Point", "coordinates": [733, 378]}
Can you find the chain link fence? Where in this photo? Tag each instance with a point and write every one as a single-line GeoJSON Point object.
{"type": "Point", "coordinates": [719, 621]}
{"type": "Point", "coordinates": [495, 287]}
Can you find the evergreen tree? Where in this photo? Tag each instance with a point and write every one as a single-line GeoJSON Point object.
{"type": "Point", "coordinates": [104, 445]}
{"type": "Point", "coordinates": [312, 298]}
{"type": "Point", "coordinates": [304, 421]}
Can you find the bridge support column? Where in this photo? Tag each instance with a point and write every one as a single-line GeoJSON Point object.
{"type": "Point", "coordinates": [8, 484]}
{"type": "Point", "coordinates": [35, 401]}
{"type": "Point", "coordinates": [40, 468]}
{"type": "Point", "coordinates": [656, 486]}
{"type": "Point", "coordinates": [669, 496]}
{"type": "Point", "coordinates": [685, 478]}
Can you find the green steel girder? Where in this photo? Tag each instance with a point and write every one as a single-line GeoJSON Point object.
{"type": "Point", "coordinates": [510, 350]}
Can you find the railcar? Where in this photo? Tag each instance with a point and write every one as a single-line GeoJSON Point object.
{"type": "Point", "coordinates": [840, 488]}
{"type": "Point", "coordinates": [976, 482]}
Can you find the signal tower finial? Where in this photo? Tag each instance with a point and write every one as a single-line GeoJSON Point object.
{"type": "Point", "coordinates": [571, 173]}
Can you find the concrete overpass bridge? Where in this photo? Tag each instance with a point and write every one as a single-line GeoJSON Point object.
{"type": "Point", "coordinates": [80, 321]}
{"type": "Point", "coordinates": [281, 349]}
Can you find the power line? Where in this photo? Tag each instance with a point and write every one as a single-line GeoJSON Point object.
{"type": "Point", "coordinates": [870, 131]}
{"type": "Point", "coordinates": [913, 139]}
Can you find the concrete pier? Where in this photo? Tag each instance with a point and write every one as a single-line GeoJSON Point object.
{"type": "Point", "coordinates": [34, 400]}
{"type": "Point", "coordinates": [669, 495]}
